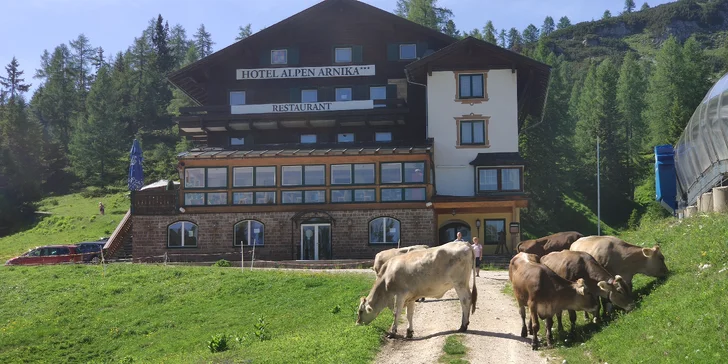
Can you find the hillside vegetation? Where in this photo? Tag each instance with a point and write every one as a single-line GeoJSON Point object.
{"type": "Point", "coordinates": [147, 314]}
{"type": "Point", "coordinates": [681, 319]}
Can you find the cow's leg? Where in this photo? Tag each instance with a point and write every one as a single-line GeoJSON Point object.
{"type": "Point", "coordinates": [606, 307]}
{"type": "Point", "coordinates": [465, 301]}
{"type": "Point", "coordinates": [572, 318]}
{"type": "Point", "coordinates": [534, 324]}
{"type": "Point", "coordinates": [549, 337]}
{"type": "Point", "coordinates": [559, 325]}
{"type": "Point", "coordinates": [410, 314]}
{"type": "Point", "coordinates": [522, 311]}
{"type": "Point", "coordinates": [398, 305]}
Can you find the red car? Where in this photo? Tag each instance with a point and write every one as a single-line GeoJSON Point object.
{"type": "Point", "coordinates": [50, 254]}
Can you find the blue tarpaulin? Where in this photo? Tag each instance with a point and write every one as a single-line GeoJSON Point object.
{"type": "Point", "coordinates": [136, 172]}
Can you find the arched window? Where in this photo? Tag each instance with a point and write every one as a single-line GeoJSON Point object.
{"type": "Point", "coordinates": [182, 234]}
{"type": "Point", "coordinates": [384, 230]}
{"type": "Point", "coordinates": [450, 231]}
{"type": "Point", "coordinates": [249, 232]}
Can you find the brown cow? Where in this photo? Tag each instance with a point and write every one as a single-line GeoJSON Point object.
{"type": "Point", "coordinates": [573, 265]}
{"type": "Point", "coordinates": [546, 294]}
{"type": "Point", "coordinates": [547, 244]}
{"type": "Point", "coordinates": [419, 273]}
{"type": "Point", "coordinates": [621, 258]}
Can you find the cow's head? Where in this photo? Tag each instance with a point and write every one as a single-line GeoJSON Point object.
{"type": "Point", "coordinates": [585, 300]}
{"type": "Point", "coordinates": [365, 314]}
{"type": "Point", "coordinates": [655, 263]}
{"type": "Point", "coordinates": [618, 292]}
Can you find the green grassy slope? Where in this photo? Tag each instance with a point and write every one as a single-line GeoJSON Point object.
{"type": "Point", "coordinates": [678, 320]}
{"type": "Point", "coordinates": [74, 219]}
{"type": "Point", "coordinates": [143, 313]}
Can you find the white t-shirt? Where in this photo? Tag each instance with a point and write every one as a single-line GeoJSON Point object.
{"type": "Point", "coordinates": [478, 249]}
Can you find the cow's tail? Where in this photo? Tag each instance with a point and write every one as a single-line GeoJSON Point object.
{"type": "Point", "coordinates": [474, 295]}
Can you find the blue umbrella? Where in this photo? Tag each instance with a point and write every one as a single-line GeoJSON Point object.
{"type": "Point", "coordinates": [136, 172]}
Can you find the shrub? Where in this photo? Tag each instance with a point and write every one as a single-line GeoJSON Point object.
{"type": "Point", "coordinates": [261, 332]}
{"type": "Point", "coordinates": [222, 263]}
{"type": "Point", "coordinates": [218, 343]}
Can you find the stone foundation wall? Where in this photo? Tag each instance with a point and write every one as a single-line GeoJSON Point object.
{"type": "Point", "coordinates": [349, 234]}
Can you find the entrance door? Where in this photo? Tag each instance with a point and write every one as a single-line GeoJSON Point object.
{"type": "Point", "coordinates": [315, 241]}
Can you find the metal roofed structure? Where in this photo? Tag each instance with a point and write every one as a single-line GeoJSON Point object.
{"type": "Point", "coordinates": [303, 151]}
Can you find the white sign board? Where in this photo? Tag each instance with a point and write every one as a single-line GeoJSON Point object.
{"type": "Point", "coordinates": [302, 107]}
{"type": "Point", "coordinates": [305, 72]}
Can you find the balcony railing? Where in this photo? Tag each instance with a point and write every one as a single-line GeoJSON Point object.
{"type": "Point", "coordinates": [226, 109]}
{"type": "Point", "coordinates": [154, 202]}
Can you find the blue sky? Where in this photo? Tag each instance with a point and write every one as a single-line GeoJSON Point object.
{"type": "Point", "coordinates": [36, 25]}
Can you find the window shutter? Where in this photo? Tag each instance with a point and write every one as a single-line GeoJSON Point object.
{"type": "Point", "coordinates": [391, 91]}
{"type": "Point", "coordinates": [421, 48]}
{"type": "Point", "coordinates": [293, 56]}
{"type": "Point", "coordinates": [265, 58]}
{"type": "Point", "coordinates": [295, 95]}
{"type": "Point", "coordinates": [356, 54]}
{"type": "Point", "coordinates": [360, 92]}
{"type": "Point", "coordinates": [392, 52]}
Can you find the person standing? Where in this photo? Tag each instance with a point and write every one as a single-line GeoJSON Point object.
{"type": "Point", "coordinates": [101, 208]}
{"type": "Point", "coordinates": [460, 237]}
{"type": "Point", "coordinates": [478, 248]}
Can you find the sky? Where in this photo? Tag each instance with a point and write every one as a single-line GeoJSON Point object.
{"type": "Point", "coordinates": [36, 25]}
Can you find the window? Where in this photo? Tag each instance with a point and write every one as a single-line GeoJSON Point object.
{"type": "Point", "coordinates": [384, 230]}
{"type": "Point", "coordinates": [237, 141]}
{"type": "Point", "coordinates": [414, 172]}
{"type": "Point", "coordinates": [242, 176]}
{"type": "Point", "coordinates": [217, 177]}
{"type": "Point", "coordinates": [279, 56]}
{"type": "Point", "coordinates": [237, 97]}
{"type": "Point", "coordinates": [472, 132]}
{"type": "Point", "coordinates": [407, 51]}
{"type": "Point", "coordinates": [265, 198]}
{"type": "Point", "coordinates": [506, 179]}
{"type": "Point", "coordinates": [471, 86]}
{"type": "Point", "coordinates": [391, 172]}
{"type": "Point", "coordinates": [248, 232]}
{"type": "Point", "coordinates": [265, 176]}
{"type": "Point", "coordinates": [242, 198]}
{"type": "Point", "coordinates": [194, 177]}
{"type": "Point", "coordinates": [364, 195]}
{"type": "Point", "coordinates": [308, 138]}
{"type": "Point", "coordinates": [297, 197]}
{"type": "Point", "coordinates": [378, 93]}
{"type": "Point", "coordinates": [309, 95]}
{"type": "Point", "coordinates": [342, 55]}
{"type": "Point", "coordinates": [339, 196]}
{"type": "Point", "coordinates": [182, 234]}
{"type": "Point", "coordinates": [415, 194]}
{"type": "Point", "coordinates": [495, 231]}
{"type": "Point", "coordinates": [217, 198]}
{"type": "Point", "coordinates": [364, 174]}
{"type": "Point", "coordinates": [341, 174]}
{"type": "Point", "coordinates": [194, 199]}
{"type": "Point", "coordinates": [345, 138]}
{"type": "Point", "coordinates": [343, 94]}
{"type": "Point", "coordinates": [391, 194]}
{"type": "Point", "coordinates": [291, 175]}
{"type": "Point", "coordinates": [314, 175]}
{"type": "Point", "coordinates": [291, 197]}
{"type": "Point", "coordinates": [383, 136]}
{"type": "Point", "coordinates": [403, 194]}
{"type": "Point", "coordinates": [315, 196]}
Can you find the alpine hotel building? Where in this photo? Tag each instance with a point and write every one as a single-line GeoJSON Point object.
{"type": "Point", "coordinates": [339, 132]}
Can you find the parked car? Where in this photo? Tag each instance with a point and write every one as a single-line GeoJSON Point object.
{"type": "Point", "coordinates": [49, 254]}
{"type": "Point", "coordinates": [91, 251]}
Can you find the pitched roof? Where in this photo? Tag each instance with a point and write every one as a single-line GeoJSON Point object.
{"type": "Point", "coordinates": [533, 76]}
{"type": "Point", "coordinates": [177, 78]}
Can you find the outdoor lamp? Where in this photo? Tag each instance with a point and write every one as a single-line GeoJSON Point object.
{"type": "Point", "coordinates": [477, 223]}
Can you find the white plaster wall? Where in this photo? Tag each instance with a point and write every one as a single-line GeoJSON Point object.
{"type": "Point", "coordinates": [453, 173]}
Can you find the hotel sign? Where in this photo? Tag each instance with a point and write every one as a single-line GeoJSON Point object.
{"type": "Point", "coordinates": [302, 107]}
{"type": "Point", "coordinates": [305, 72]}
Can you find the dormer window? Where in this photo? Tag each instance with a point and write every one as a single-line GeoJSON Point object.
{"type": "Point", "coordinates": [279, 56]}
{"type": "Point", "coordinates": [342, 55]}
{"type": "Point", "coordinates": [408, 51]}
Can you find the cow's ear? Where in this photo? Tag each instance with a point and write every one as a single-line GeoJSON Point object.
{"type": "Point", "coordinates": [604, 286]}
{"type": "Point", "coordinates": [618, 278]}
{"type": "Point", "coordinates": [362, 299]}
{"type": "Point", "coordinates": [647, 252]}
{"type": "Point", "coordinates": [580, 287]}
{"type": "Point", "coordinates": [656, 247]}
{"type": "Point", "coordinates": [368, 308]}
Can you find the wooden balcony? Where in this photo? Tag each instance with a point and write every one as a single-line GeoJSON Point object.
{"type": "Point", "coordinates": [155, 202]}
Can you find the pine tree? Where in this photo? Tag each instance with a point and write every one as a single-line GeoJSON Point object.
{"type": "Point", "coordinates": [475, 33]}
{"type": "Point", "coordinates": [514, 40]}
{"type": "Point", "coordinates": [631, 89]}
{"type": "Point", "coordinates": [451, 30]}
{"type": "Point", "coordinates": [489, 32]}
{"type": "Point", "coordinates": [97, 148]}
{"type": "Point", "coordinates": [548, 26]}
{"type": "Point", "coordinates": [629, 6]}
{"type": "Point", "coordinates": [244, 32]}
{"type": "Point", "coordinates": [607, 14]}
{"type": "Point", "coordinates": [563, 23]}
{"type": "Point", "coordinates": [13, 83]}
{"type": "Point", "coordinates": [178, 44]}
{"type": "Point", "coordinates": [56, 104]}
{"type": "Point", "coordinates": [203, 41]}
{"type": "Point", "coordinates": [424, 12]}
{"type": "Point", "coordinates": [645, 6]}
{"type": "Point", "coordinates": [530, 34]}
{"type": "Point", "coordinates": [179, 98]}
{"type": "Point", "coordinates": [663, 91]}
{"type": "Point", "coordinates": [502, 38]}
{"type": "Point", "coordinates": [164, 61]}
{"type": "Point", "coordinates": [81, 55]}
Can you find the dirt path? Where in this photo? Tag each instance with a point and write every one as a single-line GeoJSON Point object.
{"type": "Point", "coordinates": [492, 337]}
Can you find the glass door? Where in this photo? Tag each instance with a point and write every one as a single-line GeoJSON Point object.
{"type": "Point", "coordinates": [315, 241]}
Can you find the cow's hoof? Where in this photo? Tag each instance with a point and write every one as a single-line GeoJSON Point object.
{"type": "Point", "coordinates": [524, 332]}
{"type": "Point", "coordinates": [392, 335]}
{"type": "Point", "coordinates": [410, 333]}
{"type": "Point", "coordinates": [463, 329]}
